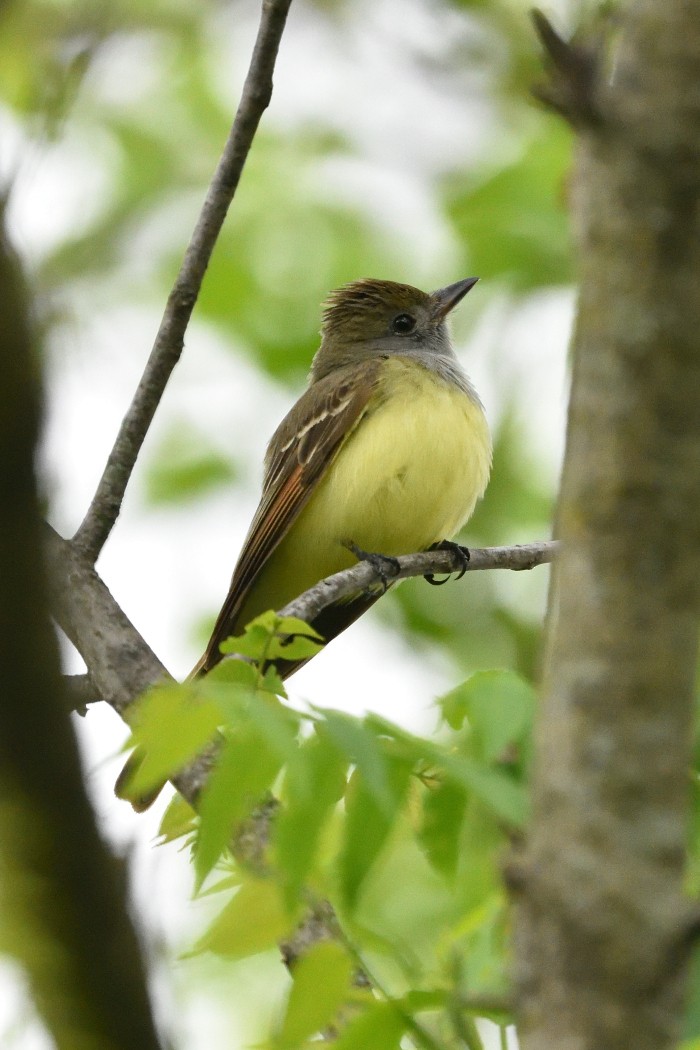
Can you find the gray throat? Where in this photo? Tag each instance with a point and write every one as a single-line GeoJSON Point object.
{"type": "Point", "coordinates": [448, 368]}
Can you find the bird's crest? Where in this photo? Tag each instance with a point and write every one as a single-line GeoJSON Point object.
{"type": "Point", "coordinates": [367, 298]}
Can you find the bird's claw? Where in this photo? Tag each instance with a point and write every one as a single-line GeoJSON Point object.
{"type": "Point", "coordinates": [457, 549]}
{"type": "Point", "coordinates": [383, 564]}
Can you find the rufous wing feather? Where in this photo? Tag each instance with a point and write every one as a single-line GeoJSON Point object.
{"type": "Point", "coordinates": [300, 452]}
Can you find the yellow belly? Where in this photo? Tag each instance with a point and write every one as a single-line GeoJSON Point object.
{"type": "Point", "coordinates": [408, 476]}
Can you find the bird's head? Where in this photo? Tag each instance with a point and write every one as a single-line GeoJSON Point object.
{"type": "Point", "coordinates": [371, 317]}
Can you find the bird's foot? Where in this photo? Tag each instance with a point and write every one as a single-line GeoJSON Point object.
{"type": "Point", "coordinates": [456, 548]}
{"type": "Point", "coordinates": [383, 564]}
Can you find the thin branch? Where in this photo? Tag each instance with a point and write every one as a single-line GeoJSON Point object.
{"type": "Point", "coordinates": [364, 575]}
{"type": "Point", "coordinates": [574, 81]}
{"type": "Point", "coordinates": [122, 666]}
{"type": "Point", "coordinates": [106, 504]}
{"type": "Point", "coordinates": [79, 692]}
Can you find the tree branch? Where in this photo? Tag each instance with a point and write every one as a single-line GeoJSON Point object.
{"type": "Point", "coordinates": [80, 691]}
{"type": "Point", "coordinates": [574, 85]}
{"type": "Point", "coordinates": [122, 666]}
{"type": "Point", "coordinates": [363, 575]}
{"type": "Point", "coordinates": [106, 504]}
{"type": "Point", "coordinates": [120, 663]}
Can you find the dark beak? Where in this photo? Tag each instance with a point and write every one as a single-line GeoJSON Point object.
{"type": "Point", "coordinates": [445, 299]}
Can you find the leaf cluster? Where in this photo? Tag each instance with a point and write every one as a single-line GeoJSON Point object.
{"type": "Point", "coordinates": [403, 834]}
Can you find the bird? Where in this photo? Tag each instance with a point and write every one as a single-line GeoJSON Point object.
{"type": "Point", "coordinates": [385, 453]}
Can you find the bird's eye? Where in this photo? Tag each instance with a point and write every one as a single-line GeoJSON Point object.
{"type": "Point", "coordinates": [403, 324]}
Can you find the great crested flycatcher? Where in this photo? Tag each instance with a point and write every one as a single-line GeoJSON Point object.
{"type": "Point", "coordinates": [387, 451]}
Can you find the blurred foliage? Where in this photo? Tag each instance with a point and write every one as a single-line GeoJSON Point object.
{"type": "Point", "coordinates": [404, 835]}
{"type": "Point", "coordinates": [512, 218]}
{"type": "Point", "coordinates": [185, 465]}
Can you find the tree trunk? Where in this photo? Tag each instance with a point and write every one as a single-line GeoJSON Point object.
{"type": "Point", "coordinates": [63, 898]}
{"type": "Point", "coordinates": [603, 931]}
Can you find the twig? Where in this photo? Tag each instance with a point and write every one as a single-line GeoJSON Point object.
{"type": "Point", "coordinates": [364, 575]}
{"type": "Point", "coordinates": [574, 83]}
{"type": "Point", "coordinates": [106, 503]}
{"type": "Point", "coordinates": [80, 692]}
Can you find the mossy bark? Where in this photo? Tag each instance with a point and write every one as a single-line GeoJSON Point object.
{"type": "Point", "coordinates": [603, 930]}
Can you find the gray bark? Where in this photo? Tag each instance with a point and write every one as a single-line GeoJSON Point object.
{"type": "Point", "coordinates": [603, 931]}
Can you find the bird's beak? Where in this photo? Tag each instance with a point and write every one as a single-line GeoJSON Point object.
{"type": "Point", "coordinates": [445, 299]}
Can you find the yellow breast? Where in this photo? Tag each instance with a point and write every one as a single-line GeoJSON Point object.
{"type": "Point", "coordinates": [408, 476]}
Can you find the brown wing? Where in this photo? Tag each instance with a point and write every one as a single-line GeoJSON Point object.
{"type": "Point", "coordinates": [301, 450]}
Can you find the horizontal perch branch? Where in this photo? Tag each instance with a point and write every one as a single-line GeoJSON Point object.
{"type": "Point", "coordinates": [364, 574]}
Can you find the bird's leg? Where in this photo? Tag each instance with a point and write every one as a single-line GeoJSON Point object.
{"type": "Point", "coordinates": [456, 548]}
{"type": "Point", "coordinates": [383, 564]}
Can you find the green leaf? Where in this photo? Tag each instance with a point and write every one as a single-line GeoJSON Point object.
{"type": "Point", "coordinates": [420, 999]}
{"type": "Point", "coordinates": [272, 637]}
{"type": "Point", "coordinates": [247, 764]}
{"type": "Point", "coordinates": [499, 707]}
{"type": "Point", "coordinates": [314, 782]}
{"type": "Point", "coordinates": [294, 640]}
{"type": "Point", "coordinates": [368, 823]}
{"type": "Point", "coordinates": [254, 920]}
{"type": "Point", "coordinates": [443, 818]}
{"type": "Point", "coordinates": [504, 796]}
{"type": "Point", "coordinates": [322, 981]}
{"type": "Point", "coordinates": [293, 625]}
{"type": "Point", "coordinates": [232, 685]}
{"type": "Point", "coordinates": [379, 1027]}
{"type": "Point", "coordinates": [179, 819]}
{"type": "Point", "coordinates": [272, 683]}
{"type": "Point", "coordinates": [172, 725]}
{"type": "Point", "coordinates": [296, 647]}
{"type": "Point", "coordinates": [255, 640]}
{"type": "Point", "coordinates": [359, 742]}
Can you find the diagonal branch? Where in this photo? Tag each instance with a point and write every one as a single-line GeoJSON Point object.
{"type": "Point", "coordinates": [120, 663]}
{"type": "Point", "coordinates": [106, 503]}
{"type": "Point", "coordinates": [575, 83]}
